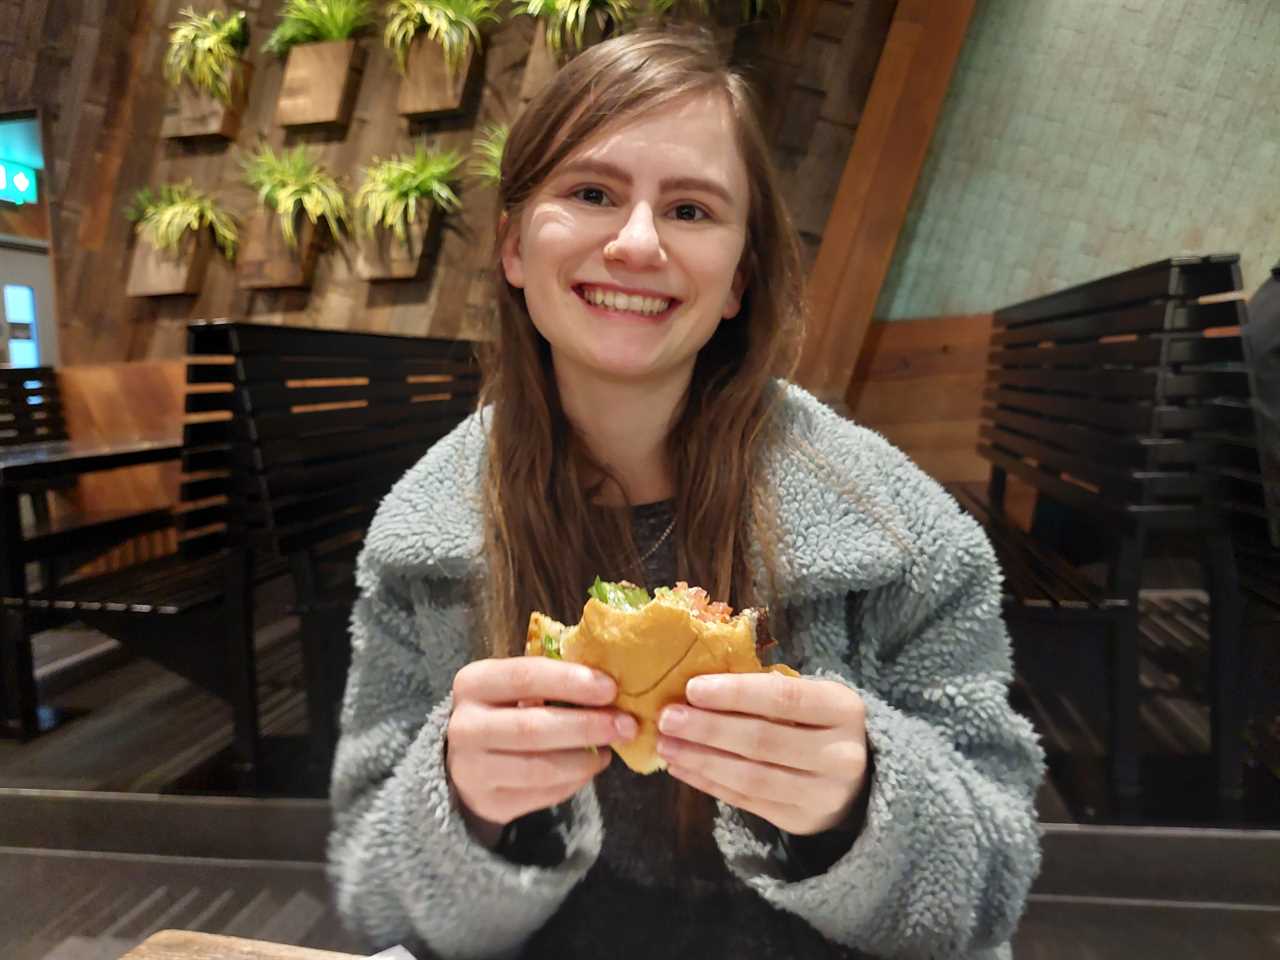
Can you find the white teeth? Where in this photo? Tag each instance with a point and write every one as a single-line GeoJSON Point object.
{"type": "Point", "coordinates": [632, 303]}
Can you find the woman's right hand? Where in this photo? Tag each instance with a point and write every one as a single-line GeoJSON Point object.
{"type": "Point", "coordinates": [509, 754]}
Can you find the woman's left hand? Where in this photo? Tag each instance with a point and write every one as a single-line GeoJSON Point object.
{"type": "Point", "coordinates": [788, 749]}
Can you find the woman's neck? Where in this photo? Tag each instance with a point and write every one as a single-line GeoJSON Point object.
{"type": "Point", "coordinates": [625, 426]}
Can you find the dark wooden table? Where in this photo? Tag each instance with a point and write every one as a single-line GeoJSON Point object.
{"type": "Point", "coordinates": [20, 467]}
{"type": "Point", "coordinates": [184, 945]}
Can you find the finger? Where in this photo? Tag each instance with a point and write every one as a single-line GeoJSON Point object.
{"type": "Point", "coordinates": [780, 815]}
{"type": "Point", "coordinates": [509, 680]}
{"type": "Point", "coordinates": [539, 729]}
{"type": "Point", "coordinates": [750, 778]}
{"type": "Point", "coordinates": [815, 703]}
{"type": "Point", "coordinates": [510, 804]}
{"type": "Point", "coordinates": [755, 738]}
{"type": "Point", "coordinates": [541, 771]}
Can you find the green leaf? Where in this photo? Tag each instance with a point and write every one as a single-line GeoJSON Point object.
{"type": "Point", "coordinates": [204, 51]}
{"type": "Point", "coordinates": [454, 24]}
{"type": "Point", "coordinates": [318, 21]}
{"type": "Point", "coordinates": [486, 162]}
{"type": "Point", "coordinates": [292, 183]}
{"type": "Point", "coordinates": [395, 188]}
{"type": "Point", "coordinates": [164, 216]}
{"type": "Point", "coordinates": [551, 647]}
{"type": "Point", "coordinates": [620, 596]}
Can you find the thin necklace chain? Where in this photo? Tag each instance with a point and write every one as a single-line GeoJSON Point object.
{"type": "Point", "coordinates": [661, 540]}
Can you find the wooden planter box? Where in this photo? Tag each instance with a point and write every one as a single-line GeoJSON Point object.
{"type": "Point", "coordinates": [192, 113]}
{"type": "Point", "coordinates": [542, 66]}
{"type": "Point", "coordinates": [160, 273]}
{"type": "Point", "coordinates": [320, 84]}
{"type": "Point", "coordinates": [427, 86]}
{"type": "Point", "coordinates": [383, 257]}
{"type": "Point", "coordinates": [266, 261]}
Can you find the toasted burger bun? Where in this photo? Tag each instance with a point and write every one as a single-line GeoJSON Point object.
{"type": "Point", "coordinates": [651, 654]}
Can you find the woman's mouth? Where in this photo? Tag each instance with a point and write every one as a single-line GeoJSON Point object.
{"type": "Point", "coordinates": [614, 304]}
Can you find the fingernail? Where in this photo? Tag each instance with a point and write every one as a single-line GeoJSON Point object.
{"type": "Point", "coordinates": [626, 727]}
{"type": "Point", "coordinates": [699, 687]}
{"type": "Point", "coordinates": [671, 719]}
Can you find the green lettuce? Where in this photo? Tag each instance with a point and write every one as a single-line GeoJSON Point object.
{"type": "Point", "coordinates": [551, 647]}
{"type": "Point", "coordinates": [621, 596]}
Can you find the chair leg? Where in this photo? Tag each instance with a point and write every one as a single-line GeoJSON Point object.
{"type": "Point", "coordinates": [1125, 579]}
{"type": "Point", "coordinates": [22, 706]}
{"type": "Point", "coordinates": [242, 684]}
{"type": "Point", "coordinates": [1122, 652]}
{"type": "Point", "coordinates": [318, 639]}
{"type": "Point", "coordinates": [1226, 624]}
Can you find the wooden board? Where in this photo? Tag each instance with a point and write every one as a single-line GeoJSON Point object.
{"type": "Point", "coordinates": [184, 945]}
{"type": "Point", "coordinates": [875, 190]}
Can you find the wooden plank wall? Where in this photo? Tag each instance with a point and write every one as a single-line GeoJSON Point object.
{"type": "Point", "coordinates": [875, 188]}
{"type": "Point", "coordinates": [94, 67]}
{"type": "Point", "coordinates": [919, 383]}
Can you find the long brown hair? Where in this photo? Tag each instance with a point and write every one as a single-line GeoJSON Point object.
{"type": "Point", "coordinates": [545, 538]}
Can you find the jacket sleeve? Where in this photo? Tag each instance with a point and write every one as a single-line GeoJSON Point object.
{"type": "Point", "coordinates": [404, 866]}
{"type": "Point", "coordinates": [950, 844]}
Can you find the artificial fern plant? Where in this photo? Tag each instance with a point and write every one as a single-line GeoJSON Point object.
{"type": "Point", "coordinates": [165, 215]}
{"type": "Point", "coordinates": [566, 20]}
{"type": "Point", "coordinates": [293, 181]}
{"type": "Point", "coordinates": [204, 51]}
{"type": "Point", "coordinates": [395, 188]}
{"type": "Point", "coordinates": [486, 162]}
{"type": "Point", "coordinates": [317, 21]}
{"type": "Point", "coordinates": [453, 24]}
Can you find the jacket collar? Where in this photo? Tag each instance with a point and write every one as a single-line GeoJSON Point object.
{"type": "Point", "coordinates": [839, 526]}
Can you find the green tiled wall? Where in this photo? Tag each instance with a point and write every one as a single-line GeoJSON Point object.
{"type": "Point", "coordinates": [1082, 137]}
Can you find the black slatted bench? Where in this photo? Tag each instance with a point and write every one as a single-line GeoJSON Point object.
{"type": "Point", "coordinates": [325, 423]}
{"type": "Point", "coordinates": [1096, 396]}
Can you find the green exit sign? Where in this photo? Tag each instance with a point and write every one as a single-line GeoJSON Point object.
{"type": "Point", "coordinates": [17, 182]}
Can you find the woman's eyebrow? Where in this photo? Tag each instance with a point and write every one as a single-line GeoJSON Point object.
{"type": "Point", "coordinates": [603, 168]}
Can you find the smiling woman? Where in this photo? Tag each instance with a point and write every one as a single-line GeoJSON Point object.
{"type": "Point", "coordinates": [634, 427]}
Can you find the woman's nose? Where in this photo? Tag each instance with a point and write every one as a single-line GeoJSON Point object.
{"type": "Point", "coordinates": [637, 243]}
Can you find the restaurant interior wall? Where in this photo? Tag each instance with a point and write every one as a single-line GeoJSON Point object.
{"type": "Point", "coordinates": [95, 68]}
{"type": "Point", "coordinates": [1082, 137]}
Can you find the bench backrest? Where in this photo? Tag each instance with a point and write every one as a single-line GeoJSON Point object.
{"type": "Point", "coordinates": [1095, 394]}
{"type": "Point", "coordinates": [31, 409]}
{"type": "Point", "coordinates": [320, 424]}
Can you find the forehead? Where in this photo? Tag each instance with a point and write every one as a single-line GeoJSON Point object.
{"type": "Point", "coordinates": [693, 136]}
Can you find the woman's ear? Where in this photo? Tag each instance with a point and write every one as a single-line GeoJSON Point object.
{"type": "Point", "coordinates": [512, 261]}
{"type": "Point", "coordinates": [733, 301]}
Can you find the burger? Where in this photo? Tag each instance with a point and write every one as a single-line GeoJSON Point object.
{"type": "Point", "coordinates": [652, 647]}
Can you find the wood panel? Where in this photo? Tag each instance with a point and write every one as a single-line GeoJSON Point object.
{"type": "Point", "coordinates": [919, 383]}
{"type": "Point", "coordinates": [875, 189]}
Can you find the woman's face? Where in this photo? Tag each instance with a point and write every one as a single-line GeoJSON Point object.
{"type": "Point", "coordinates": [629, 253]}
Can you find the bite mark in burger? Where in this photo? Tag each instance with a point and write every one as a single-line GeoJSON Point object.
{"type": "Point", "coordinates": [652, 647]}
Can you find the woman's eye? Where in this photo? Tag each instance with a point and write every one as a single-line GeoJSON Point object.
{"type": "Point", "coordinates": [592, 195]}
{"type": "Point", "coordinates": [599, 197]}
{"type": "Point", "coordinates": [690, 212]}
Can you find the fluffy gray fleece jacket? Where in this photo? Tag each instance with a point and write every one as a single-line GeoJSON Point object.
{"type": "Point", "coordinates": [950, 843]}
